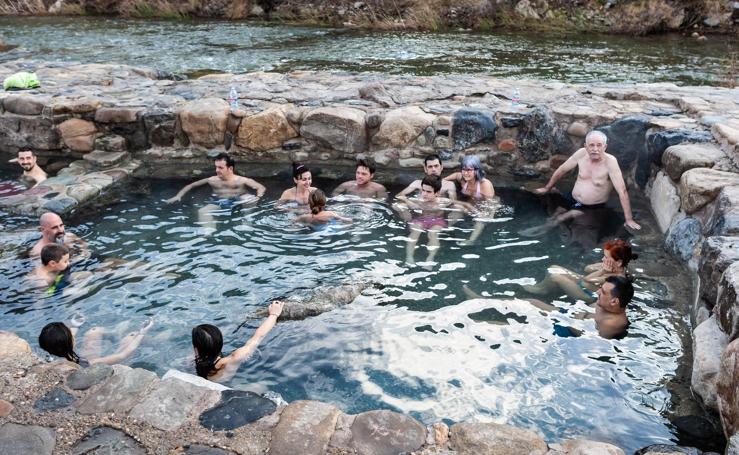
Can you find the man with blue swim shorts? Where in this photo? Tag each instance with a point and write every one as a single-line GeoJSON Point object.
{"type": "Point", "coordinates": [228, 188]}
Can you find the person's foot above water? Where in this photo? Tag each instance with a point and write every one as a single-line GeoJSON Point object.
{"type": "Point", "coordinates": [146, 325]}
{"type": "Point", "coordinates": [77, 320]}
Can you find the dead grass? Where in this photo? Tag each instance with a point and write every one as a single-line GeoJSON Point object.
{"type": "Point", "coordinates": [22, 7]}
{"type": "Point", "coordinates": [729, 75]}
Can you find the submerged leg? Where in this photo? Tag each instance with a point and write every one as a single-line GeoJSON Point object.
{"type": "Point", "coordinates": [410, 247]}
{"type": "Point", "coordinates": [205, 217]}
{"type": "Point", "coordinates": [433, 245]}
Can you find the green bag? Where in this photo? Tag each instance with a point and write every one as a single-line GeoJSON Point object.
{"type": "Point", "coordinates": [21, 81]}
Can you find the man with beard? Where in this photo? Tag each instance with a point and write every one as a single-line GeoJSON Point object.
{"type": "Point", "coordinates": [52, 232]}
{"type": "Point", "coordinates": [32, 173]}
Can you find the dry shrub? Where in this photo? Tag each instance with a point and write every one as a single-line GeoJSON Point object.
{"type": "Point", "coordinates": [646, 16]}
{"type": "Point", "coordinates": [22, 7]}
{"type": "Point", "coordinates": [729, 75]}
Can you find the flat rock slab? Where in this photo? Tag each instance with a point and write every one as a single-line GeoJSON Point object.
{"type": "Point", "coordinates": [708, 344]}
{"type": "Point", "coordinates": [478, 438]}
{"type": "Point", "coordinates": [57, 398]}
{"type": "Point", "coordinates": [170, 403]}
{"type": "Point", "coordinates": [386, 433]}
{"type": "Point", "coordinates": [700, 186]}
{"type": "Point", "coordinates": [305, 427]}
{"type": "Point", "coordinates": [85, 378]}
{"type": "Point", "coordinates": [5, 408]}
{"type": "Point", "coordinates": [12, 344]}
{"type": "Point", "coordinates": [26, 440]}
{"type": "Point", "coordinates": [667, 449]}
{"type": "Point", "coordinates": [120, 392]}
{"type": "Point", "coordinates": [195, 380]}
{"type": "Point", "coordinates": [106, 441]}
{"type": "Point", "coordinates": [680, 158]}
{"type": "Point", "coordinates": [236, 408]}
{"type": "Point", "coordinates": [197, 449]}
{"type": "Point", "coordinates": [106, 159]}
{"type": "Point", "coordinates": [585, 447]}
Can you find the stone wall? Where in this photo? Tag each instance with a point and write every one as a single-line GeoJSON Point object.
{"type": "Point", "coordinates": [676, 145]}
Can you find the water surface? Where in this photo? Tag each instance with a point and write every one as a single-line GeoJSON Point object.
{"type": "Point", "coordinates": [194, 46]}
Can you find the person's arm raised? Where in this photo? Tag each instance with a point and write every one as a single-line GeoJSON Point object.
{"type": "Point", "coordinates": [242, 353]}
{"type": "Point", "coordinates": [566, 167]}
{"type": "Point", "coordinates": [416, 185]}
{"type": "Point", "coordinates": [177, 197]}
{"type": "Point", "coordinates": [614, 173]}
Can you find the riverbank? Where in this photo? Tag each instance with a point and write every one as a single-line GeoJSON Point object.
{"type": "Point", "coordinates": [612, 16]}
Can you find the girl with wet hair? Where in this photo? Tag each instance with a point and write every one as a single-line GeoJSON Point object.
{"type": "Point", "coordinates": [317, 215]}
{"type": "Point", "coordinates": [207, 341]}
{"type": "Point", "coordinates": [59, 340]}
{"type": "Point", "coordinates": [303, 179]}
{"type": "Point", "coordinates": [616, 257]}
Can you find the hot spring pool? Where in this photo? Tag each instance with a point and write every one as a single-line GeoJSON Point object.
{"type": "Point", "coordinates": [416, 345]}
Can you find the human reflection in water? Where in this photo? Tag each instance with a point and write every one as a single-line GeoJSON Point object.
{"type": "Point", "coordinates": [610, 316]}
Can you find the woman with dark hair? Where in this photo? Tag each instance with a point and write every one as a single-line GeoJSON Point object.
{"type": "Point", "coordinates": [208, 343]}
{"type": "Point", "coordinates": [303, 179]}
{"type": "Point", "coordinates": [616, 257]}
{"type": "Point", "coordinates": [317, 215]}
{"type": "Point", "coordinates": [59, 340]}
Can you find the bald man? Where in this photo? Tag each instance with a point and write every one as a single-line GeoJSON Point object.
{"type": "Point", "coordinates": [52, 231]}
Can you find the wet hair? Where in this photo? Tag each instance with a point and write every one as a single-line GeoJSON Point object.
{"type": "Point", "coordinates": [432, 181]}
{"type": "Point", "coordinates": [299, 169]}
{"type": "Point", "coordinates": [431, 157]}
{"type": "Point", "coordinates": [620, 251]}
{"type": "Point", "coordinates": [53, 252]}
{"type": "Point", "coordinates": [317, 201]}
{"type": "Point", "coordinates": [474, 162]}
{"type": "Point", "coordinates": [208, 341]}
{"type": "Point", "coordinates": [367, 164]}
{"type": "Point", "coordinates": [601, 134]}
{"type": "Point", "coordinates": [225, 157]}
{"type": "Point", "coordinates": [623, 290]}
{"type": "Point", "coordinates": [57, 339]}
{"type": "Point", "coordinates": [26, 149]}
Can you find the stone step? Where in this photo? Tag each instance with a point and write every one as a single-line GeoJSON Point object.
{"type": "Point", "coordinates": [104, 160]}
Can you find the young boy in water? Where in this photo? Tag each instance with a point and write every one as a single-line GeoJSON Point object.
{"type": "Point", "coordinates": [432, 218]}
{"type": "Point", "coordinates": [54, 264]}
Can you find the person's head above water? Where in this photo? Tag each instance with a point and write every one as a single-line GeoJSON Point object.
{"type": "Point", "coordinates": [26, 158]}
{"type": "Point", "coordinates": [57, 339]}
{"type": "Point", "coordinates": [430, 187]}
{"type": "Point", "coordinates": [302, 175]}
{"type": "Point", "coordinates": [225, 165]}
{"type": "Point", "coordinates": [615, 294]}
{"type": "Point", "coordinates": [364, 172]}
{"type": "Point", "coordinates": [51, 227]}
{"type": "Point", "coordinates": [317, 201]}
{"type": "Point", "coordinates": [620, 251]}
{"type": "Point", "coordinates": [596, 143]}
{"type": "Point", "coordinates": [471, 164]}
{"type": "Point", "coordinates": [208, 343]}
{"type": "Point", "coordinates": [55, 257]}
{"type": "Point", "coordinates": [432, 165]}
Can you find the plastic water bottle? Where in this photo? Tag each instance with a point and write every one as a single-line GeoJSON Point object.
{"type": "Point", "coordinates": [516, 98]}
{"type": "Point", "coordinates": [233, 98]}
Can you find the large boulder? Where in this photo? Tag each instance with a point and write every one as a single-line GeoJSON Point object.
{"type": "Point", "coordinates": [337, 128]}
{"type": "Point", "coordinates": [539, 136]}
{"type": "Point", "coordinates": [377, 92]}
{"type": "Point", "coordinates": [265, 130]}
{"type": "Point", "coordinates": [724, 218]}
{"type": "Point", "coordinates": [727, 389]}
{"type": "Point", "coordinates": [727, 301]}
{"type": "Point", "coordinates": [472, 126]}
{"type": "Point", "coordinates": [683, 237]}
{"type": "Point", "coordinates": [700, 186]}
{"type": "Point", "coordinates": [402, 126]}
{"type": "Point", "coordinates": [627, 142]}
{"type": "Point", "coordinates": [709, 343]}
{"type": "Point", "coordinates": [159, 125]}
{"type": "Point", "coordinates": [470, 438]}
{"type": "Point", "coordinates": [717, 254]}
{"type": "Point", "coordinates": [305, 427]}
{"type": "Point", "coordinates": [26, 439]}
{"type": "Point", "coordinates": [204, 121]}
{"type": "Point", "coordinates": [78, 134]}
{"type": "Point", "coordinates": [36, 132]}
{"type": "Point", "coordinates": [665, 200]}
{"type": "Point", "coordinates": [680, 158]}
{"type": "Point", "coordinates": [24, 104]}
{"type": "Point", "coordinates": [386, 433]}
{"type": "Point", "coordinates": [660, 141]}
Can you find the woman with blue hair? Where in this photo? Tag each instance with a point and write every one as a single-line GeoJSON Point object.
{"type": "Point", "coordinates": [475, 193]}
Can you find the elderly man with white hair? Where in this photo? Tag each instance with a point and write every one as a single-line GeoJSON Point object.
{"type": "Point", "coordinates": [52, 231]}
{"type": "Point", "coordinates": [598, 173]}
